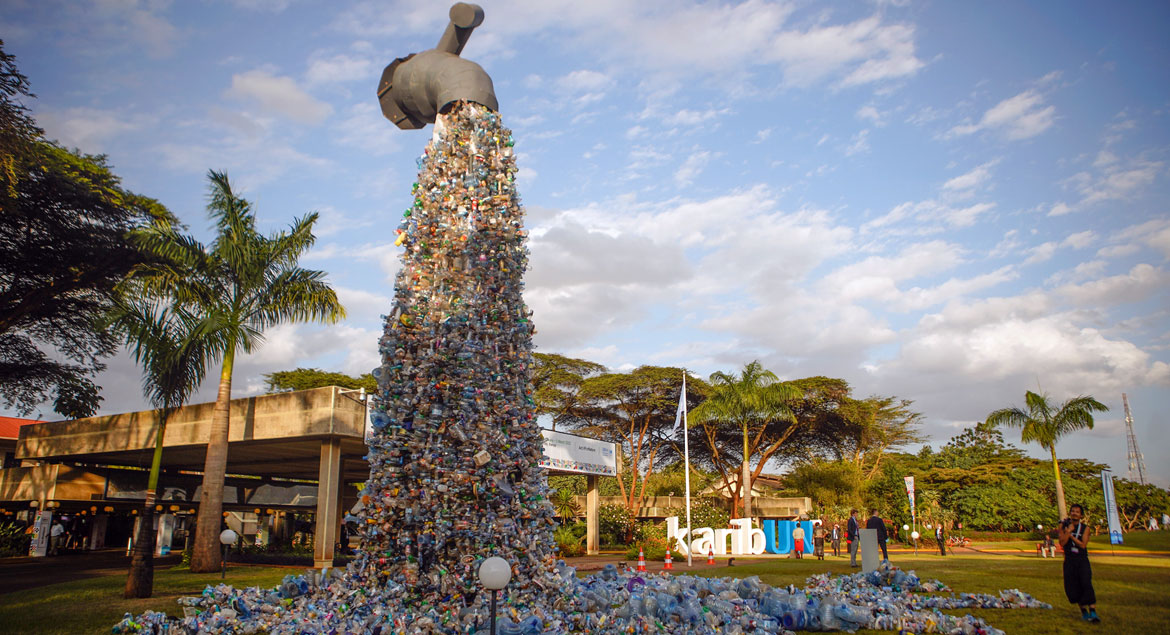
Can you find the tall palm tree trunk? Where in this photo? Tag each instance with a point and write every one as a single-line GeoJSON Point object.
{"type": "Point", "coordinates": [1061, 510]}
{"type": "Point", "coordinates": [747, 478]}
{"type": "Point", "coordinates": [206, 557]}
{"type": "Point", "coordinates": [140, 581]}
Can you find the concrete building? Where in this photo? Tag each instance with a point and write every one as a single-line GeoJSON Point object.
{"type": "Point", "coordinates": [288, 452]}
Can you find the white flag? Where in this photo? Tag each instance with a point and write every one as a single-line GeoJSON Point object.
{"type": "Point", "coordinates": [682, 408]}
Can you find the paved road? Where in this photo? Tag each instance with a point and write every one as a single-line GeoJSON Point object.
{"type": "Point", "coordinates": [27, 573]}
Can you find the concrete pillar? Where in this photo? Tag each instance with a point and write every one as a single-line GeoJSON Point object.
{"type": "Point", "coordinates": [592, 513]}
{"type": "Point", "coordinates": [328, 505]}
{"type": "Point", "coordinates": [97, 532]}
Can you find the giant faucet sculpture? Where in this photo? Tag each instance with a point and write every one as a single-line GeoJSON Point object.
{"type": "Point", "coordinates": [454, 451]}
{"type": "Point", "coordinates": [417, 87]}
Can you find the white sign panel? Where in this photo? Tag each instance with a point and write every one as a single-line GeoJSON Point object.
{"type": "Point", "coordinates": [570, 453]}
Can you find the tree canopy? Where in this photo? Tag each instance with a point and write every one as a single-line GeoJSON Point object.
{"type": "Point", "coordinates": [309, 378]}
{"type": "Point", "coordinates": [556, 383]}
{"type": "Point", "coordinates": [64, 221]}
{"type": "Point", "coordinates": [636, 410]}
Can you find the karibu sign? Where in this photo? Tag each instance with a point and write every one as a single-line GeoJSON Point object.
{"type": "Point", "coordinates": [740, 539]}
{"type": "Point", "coordinates": [571, 453]}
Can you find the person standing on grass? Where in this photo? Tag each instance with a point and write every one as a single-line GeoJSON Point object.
{"type": "Point", "coordinates": [819, 541]}
{"type": "Point", "coordinates": [837, 540]}
{"type": "Point", "coordinates": [798, 541]}
{"type": "Point", "coordinates": [1078, 575]}
{"type": "Point", "coordinates": [940, 537]}
{"type": "Point", "coordinates": [852, 536]}
{"type": "Point", "coordinates": [875, 522]}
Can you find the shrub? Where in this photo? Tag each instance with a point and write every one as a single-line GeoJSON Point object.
{"type": "Point", "coordinates": [703, 514]}
{"type": "Point", "coordinates": [569, 540]}
{"type": "Point", "coordinates": [13, 540]}
{"type": "Point", "coordinates": [614, 524]}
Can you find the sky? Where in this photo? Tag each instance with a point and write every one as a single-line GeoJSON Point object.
{"type": "Point", "coordinates": [949, 202]}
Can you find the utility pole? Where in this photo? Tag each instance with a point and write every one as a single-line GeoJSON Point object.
{"type": "Point", "coordinates": [1137, 465]}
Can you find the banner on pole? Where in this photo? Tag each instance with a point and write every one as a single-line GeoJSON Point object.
{"type": "Point", "coordinates": [910, 494]}
{"type": "Point", "coordinates": [1111, 508]}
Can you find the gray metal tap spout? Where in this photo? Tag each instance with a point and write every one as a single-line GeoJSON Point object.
{"type": "Point", "coordinates": [417, 87]}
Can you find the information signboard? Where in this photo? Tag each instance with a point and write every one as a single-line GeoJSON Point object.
{"type": "Point", "coordinates": [571, 453]}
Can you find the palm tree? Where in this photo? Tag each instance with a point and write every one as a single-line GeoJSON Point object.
{"type": "Point", "coordinates": [245, 283]}
{"type": "Point", "coordinates": [754, 398]}
{"type": "Point", "coordinates": [565, 504]}
{"type": "Point", "coordinates": [1041, 424]}
{"type": "Point", "coordinates": [174, 348]}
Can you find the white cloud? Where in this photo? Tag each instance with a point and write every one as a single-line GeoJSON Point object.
{"type": "Point", "coordinates": [88, 129]}
{"type": "Point", "coordinates": [364, 127]}
{"type": "Point", "coordinates": [1141, 283]}
{"type": "Point", "coordinates": [1059, 209]}
{"type": "Point", "coordinates": [859, 144]}
{"type": "Point", "coordinates": [689, 40]}
{"type": "Point", "coordinates": [271, 6]}
{"type": "Point", "coordinates": [869, 112]}
{"type": "Point", "coordinates": [1118, 182]}
{"type": "Point", "coordinates": [279, 95]}
{"type": "Point", "coordinates": [971, 179]}
{"type": "Point", "coordinates": [691, 168]}
{"type": "Point", "coordinates": [691, 117]}
{"type": "Point", "coordinates": [584, 81]}
{"type": "Point", "coordinates": [340, 68]}
{"type": "Point", "coordinates": [1020, 117]}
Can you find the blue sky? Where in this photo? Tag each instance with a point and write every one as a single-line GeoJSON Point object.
{"type": "Point", "coordinates": [948, 202]}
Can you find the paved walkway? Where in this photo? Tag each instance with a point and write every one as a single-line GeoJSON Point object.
{"type": "Point", "coordinates": [26, 573]}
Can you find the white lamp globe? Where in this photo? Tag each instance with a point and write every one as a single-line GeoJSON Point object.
{"type": "Point", "coordinates": [1039, 526]}
{"type": "Point", "coordinates": [914, 535]}
{"type": "Point", "coordinates": [495, 573]}
{"type": "Point", "coordinates": [905, 527]}
{"type": "Point", "coordinates": [928, 525]}
{"type": "Point", "coordinates": [228, 537]}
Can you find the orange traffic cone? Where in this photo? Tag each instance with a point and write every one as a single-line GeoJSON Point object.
{"type": "Point", "coordinates": [669, 564]}
{"type": "Point", "coordinates": [710, 556]}
{"type": "Point", "coordinates": [641, 560]}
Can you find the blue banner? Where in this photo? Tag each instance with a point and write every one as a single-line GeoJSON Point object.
{"type": "Point", "coordinates": [1111, 508]}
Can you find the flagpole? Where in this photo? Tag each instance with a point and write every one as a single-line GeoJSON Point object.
{"type": "Point", "coordinates": [687, 465]}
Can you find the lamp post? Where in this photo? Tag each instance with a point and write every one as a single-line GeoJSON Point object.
{"type": "Point", "coordinates": [494, 574]}
{"type": "Point", "coordinates": [227, 537]}
{"type": "Point", "coordinates": [914, 535]}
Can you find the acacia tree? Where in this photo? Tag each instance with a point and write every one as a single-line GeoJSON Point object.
{"type": "Point", "coordinates": [1042, 423]}
{"type": "Point", "coordinates": [635, 410]}
{"type": "Point", "coordinates": [758, 405]}
{"type": "Point", "coordinates": [881, 424]}
{"type": "Point", "coordinates": [174, 348]}
{"type": "Point", "coordinates": [64, 218]}
{"type": "Point", "coordinates": [309, 378]}
{"type": "Point", "coordinates": [556, 383]}
{"type": "Point", "coordinates": [245, 282]}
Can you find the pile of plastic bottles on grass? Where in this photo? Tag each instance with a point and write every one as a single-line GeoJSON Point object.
{"type": "Point", "coordinates": [610, 601]}
{"type": "Point", "coordinates": [454, 465]}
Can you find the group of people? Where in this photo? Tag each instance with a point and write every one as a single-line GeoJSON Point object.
{"type": "Point", "coordinates": [851, 535]}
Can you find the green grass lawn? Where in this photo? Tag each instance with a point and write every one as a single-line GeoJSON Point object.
{"type": "Point", "coordinates": [94, 605]}
{"type": "Point", "coordinates": [1134, 541]}
{"type": "Point", "coordinates": [1133, 591]}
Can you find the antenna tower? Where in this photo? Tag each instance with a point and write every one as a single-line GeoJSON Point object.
{"type": "Point", "coordinates": [1136, 463]}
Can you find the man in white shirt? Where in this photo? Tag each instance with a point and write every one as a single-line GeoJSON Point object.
{"type": "Point", "coordinates": [56, 536]}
